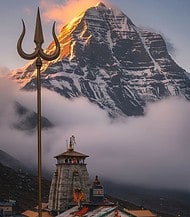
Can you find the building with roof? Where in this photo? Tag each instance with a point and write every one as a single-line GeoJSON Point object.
{"type": "Point", "coordinates": [6, 208]}
{"type": "Point", "coordinates": [34, 212]}
{"type": "Point", "coordinates": [140, 213]}
{"type": "Point", "coordinates": [70, 181]}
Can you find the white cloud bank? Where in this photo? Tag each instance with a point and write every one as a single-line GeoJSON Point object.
{"type": "Point", "coordinates": [152, 150]}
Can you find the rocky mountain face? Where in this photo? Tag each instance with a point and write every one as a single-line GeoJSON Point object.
{"type": "Point", "coordinates": [112, 62]}
{"type": "Point", "coordinates": [27, 119]}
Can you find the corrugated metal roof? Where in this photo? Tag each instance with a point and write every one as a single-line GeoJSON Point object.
{"type": "Point", "coordinates": [141, 213]}
{"type": "Point", "coordinates": [30, 213]}
{"type": "Point", "coordinates": [99, 211]}
{"type": "Point", "coordinates": [6, 204]}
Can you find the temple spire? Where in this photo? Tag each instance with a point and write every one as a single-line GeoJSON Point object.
{"type": "Point", "coordinates": [70, 176]}
{"type": "Point", "coordinates": [96, 181]}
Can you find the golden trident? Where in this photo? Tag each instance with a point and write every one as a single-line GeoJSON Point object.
{"type": "Point", "coordinates": [38, 54]}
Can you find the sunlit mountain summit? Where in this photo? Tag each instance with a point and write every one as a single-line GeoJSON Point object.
{"type": "Point", "coordinates": [112, 62]}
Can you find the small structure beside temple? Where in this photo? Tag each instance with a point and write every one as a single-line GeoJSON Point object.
{"type": "Point", "coordinates": [97, 192]}
{"type": "Point", "coordinates": [6, 208]}
{"type": "Point", "coordinates": [70, 182]}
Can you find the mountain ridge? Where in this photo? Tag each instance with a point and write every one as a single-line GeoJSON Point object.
{"type": "Point", "coordinates": [11, 162]}
{"type": "Point", "coordinates": [107, 59]}
{"type": "Point", "coordinates": [22, 187]}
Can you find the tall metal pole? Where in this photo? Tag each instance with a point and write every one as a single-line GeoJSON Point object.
{"type": "Point", "coordinates": [38, 66]}
{"type": "Point", "coordinates": [39, 55]}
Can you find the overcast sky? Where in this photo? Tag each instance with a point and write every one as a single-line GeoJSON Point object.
{"type": "Point", "coordinates": [152, 150]}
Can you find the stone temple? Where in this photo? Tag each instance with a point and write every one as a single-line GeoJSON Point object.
{"type": "Point", "coordinates": [70, 176]}
{"type": "Point", "coordinates": [72, 195]}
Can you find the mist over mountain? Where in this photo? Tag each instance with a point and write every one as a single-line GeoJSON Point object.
{"type": "Point", "coordinates": [27, 119]}
{"type": "Point", "coordinates": [110, 61]}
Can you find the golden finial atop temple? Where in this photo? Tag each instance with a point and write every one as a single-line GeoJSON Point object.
{"type": "Point", "coordinates": [71, 143]}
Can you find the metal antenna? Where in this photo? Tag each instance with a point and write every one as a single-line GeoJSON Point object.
{"type": "Point", "coordinates": [39, 55]}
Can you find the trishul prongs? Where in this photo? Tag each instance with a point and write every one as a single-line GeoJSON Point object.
{"type": "Point", "coordinates": [38, 40]}
{"type": "Point", "coordinates": [39, 55]}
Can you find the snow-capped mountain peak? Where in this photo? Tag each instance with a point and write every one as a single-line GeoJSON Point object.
{"type": "Point", "coordinates": [112, 62]}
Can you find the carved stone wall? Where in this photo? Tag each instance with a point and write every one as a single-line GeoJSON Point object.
{"type": "Point", "coordinates": [66, 179]}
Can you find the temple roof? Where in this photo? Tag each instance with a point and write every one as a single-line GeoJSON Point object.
{"type": "Point", "coordinates": [71, 153]}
